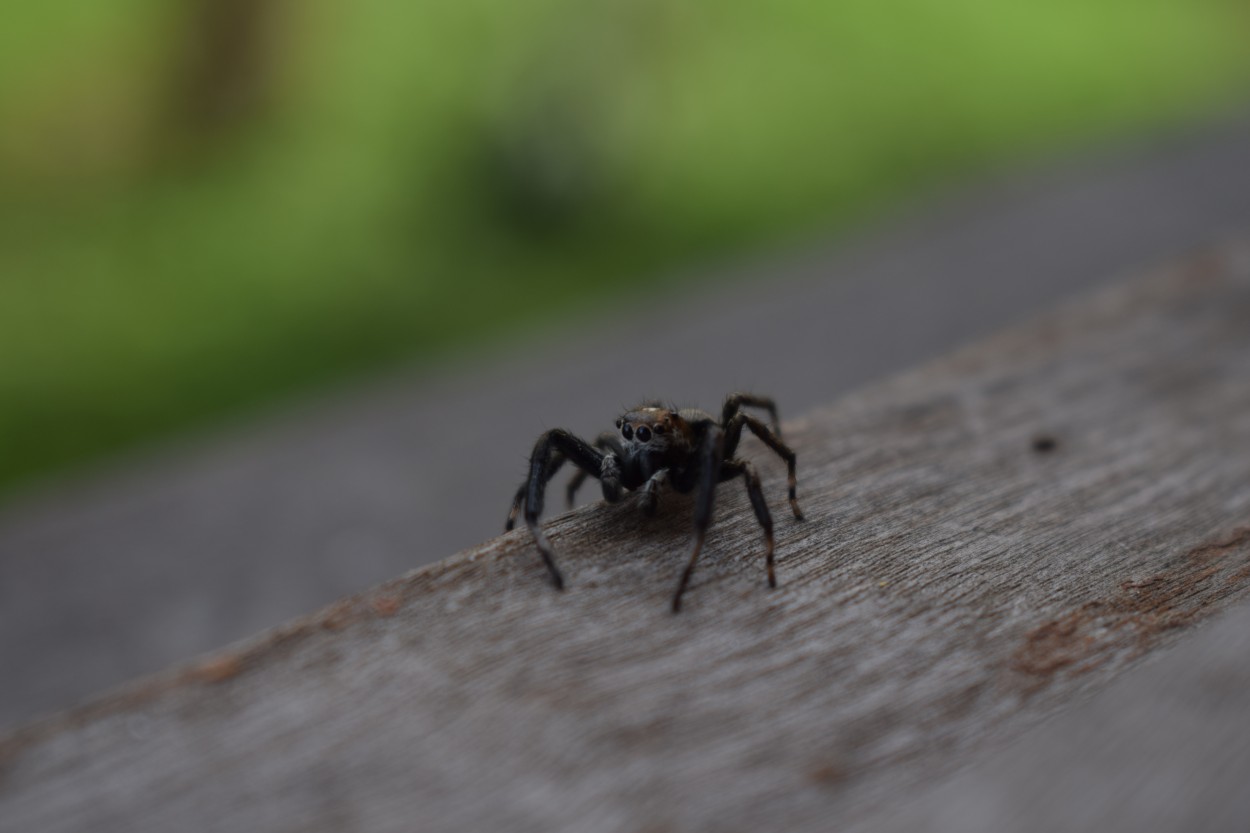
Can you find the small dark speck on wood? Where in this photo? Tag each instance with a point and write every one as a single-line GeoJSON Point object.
{"type": "Point", "coordinates": [1044, 443]}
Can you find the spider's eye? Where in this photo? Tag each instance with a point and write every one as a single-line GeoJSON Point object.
{"type": "Point", "coordinates": [660, 429]}
{"type": "Point", "coordinates": [627, 431]}
{"type": "Point", "coordinates": [618, 423]}
{"type": "Point", "coordinates": [644, 433]}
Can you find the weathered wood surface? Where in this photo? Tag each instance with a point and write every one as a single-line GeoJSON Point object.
{"type": "Point", "coordinates": [955, 582]}
{"type": "Point", "coordinates": [1164, 749]}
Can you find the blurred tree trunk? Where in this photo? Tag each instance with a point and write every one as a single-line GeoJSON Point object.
{"type": "Point", "coordinates": [226, 70]}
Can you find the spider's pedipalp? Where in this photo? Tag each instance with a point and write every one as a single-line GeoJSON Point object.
{"type": "Point", "coordinates": [651, 492]}
{"type": "Point", "coordinates": [606, 441]}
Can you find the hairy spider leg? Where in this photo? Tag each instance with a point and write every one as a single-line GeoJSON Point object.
{"type": "Point", "coordinates": [606, 441]}
{"type": "Point", "coordinates": [733, 433]}
{"type": "Point", "coordinates": [731, 469]}
{"type": "Point", "coordinates": [735, 401]}
{"type": "Point", "coordinates": [553, 466]}
{"type": "Point", "coordinates": [579, 453]}
{"type": "Point", "coordinates": [711, 453]}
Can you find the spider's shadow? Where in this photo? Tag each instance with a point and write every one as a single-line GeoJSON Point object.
{"type": "Point", "coordinates": [626, 521]}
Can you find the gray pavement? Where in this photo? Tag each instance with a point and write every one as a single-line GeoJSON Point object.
{"type": "Point", "coordinates": [182, 549]}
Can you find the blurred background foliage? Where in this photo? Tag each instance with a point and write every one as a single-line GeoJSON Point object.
{"type": "Point", "coordinates": [207, 204]}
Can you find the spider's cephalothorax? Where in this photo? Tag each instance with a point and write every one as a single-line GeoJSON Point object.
{"type": "Point", "coordinates": [654, 445]}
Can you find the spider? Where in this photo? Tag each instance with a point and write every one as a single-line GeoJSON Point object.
{"type": "Point", "coordinates": [654, 445]}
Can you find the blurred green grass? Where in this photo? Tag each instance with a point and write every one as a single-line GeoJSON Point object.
{"type": "Point", "coordinates": [387, 182]}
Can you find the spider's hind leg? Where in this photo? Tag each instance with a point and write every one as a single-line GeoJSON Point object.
{"type": "Point", "coordinates": [733, 433]}
{"type": "Point", "coordinates": [735, 402]}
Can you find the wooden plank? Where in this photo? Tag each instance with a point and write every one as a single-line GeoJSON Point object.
{"type": "Point", "coordinates": [988, 537]}
{"type": "Point", "coordinates": [1164, 749]}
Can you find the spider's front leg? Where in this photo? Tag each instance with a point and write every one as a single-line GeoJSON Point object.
{"type": "Point", "coordinates": [733, 468]}
{"type": "Point", "coordinates": [710, 454]}
{"type": "Point", "coordinates": [553, 465]}
{"type": "Point", "coordinates": [551, 450]}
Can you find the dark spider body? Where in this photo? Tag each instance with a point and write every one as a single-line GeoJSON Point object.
{"type": "Point", "coordinates": [653, 445]}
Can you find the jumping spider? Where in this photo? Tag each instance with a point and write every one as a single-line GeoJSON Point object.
{"type": "Point", "coordinates": [654, 445]}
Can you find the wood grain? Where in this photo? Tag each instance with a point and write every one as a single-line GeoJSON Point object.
{"type": "Point", "coordinates": [988, 537]}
